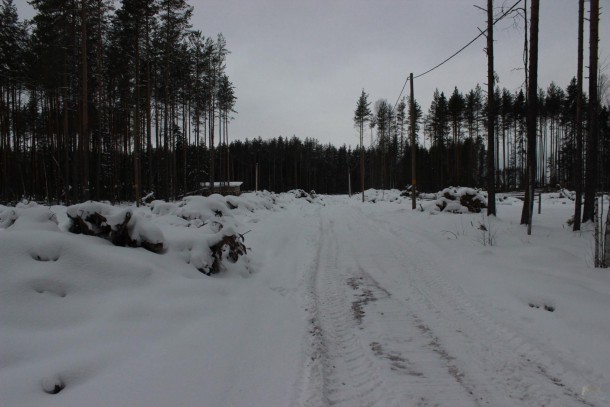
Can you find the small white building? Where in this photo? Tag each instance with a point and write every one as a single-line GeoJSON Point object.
{"type": "Point", "coordinates": [223, 187]}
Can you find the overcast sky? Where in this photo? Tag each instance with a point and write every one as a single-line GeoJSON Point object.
{"type": "Point", "coordinates": [299, 66]}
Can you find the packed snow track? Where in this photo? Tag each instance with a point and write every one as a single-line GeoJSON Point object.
{"type": "Point", "coordinates": [386, 329]}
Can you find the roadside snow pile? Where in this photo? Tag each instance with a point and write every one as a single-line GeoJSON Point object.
{"type": "Point", "coordinates": [251, 202]}
{"type": "Point", "coordinates": [83, 321]}
{"type": "Point", "coordinates": [381, 195]}
{"type": "Point", "coordinates": [565, 193]}
{"type": "Point", "coordinates": [121, 226]}
{"type": "Point", "coordinates": [459, 200]}
{"type": "Point", "coordinates": [28, 217]}
{"type": "Point", "coordinates": [204, 231]}
{"type": "Point", "coordinates": [508, 200]}
{"type": "Point", "coordinates": [311, 197]}
{"type": "Point", "coordinates": [200, 231]}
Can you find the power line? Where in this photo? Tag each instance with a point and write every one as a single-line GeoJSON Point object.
{"type": "Point", "coordinates": [457, 52]}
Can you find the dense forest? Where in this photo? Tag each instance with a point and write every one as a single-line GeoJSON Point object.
{"type": "Point", "coordinates": [115, 104]}
{"type": "Point", "coordinates": [109, 103]}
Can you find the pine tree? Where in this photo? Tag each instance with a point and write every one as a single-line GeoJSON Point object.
{"type": "Point", "coordinates": [13, 48]}
{"type": "Point", "coordinates": [456, 106]}
{"type": "Point", "coordinates": [591, 170]}
{"type": "Point", "coordinates": [438, 115]}
{"type": "Point", "coordinates": [578, 164]}
{"type": "Point", "coordinates": [532, 114]}
{"type": "Point", "coordinates": [361, 116]}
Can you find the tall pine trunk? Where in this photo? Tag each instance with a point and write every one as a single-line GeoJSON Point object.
{"type": "Point", "coordinates": [136, 133]}
{"type": "Point", "coordinates": [532, 110]}
{"type": "Point", "coordinates": [362, 158]}
{"type": "Point", "coordinates": [84, 139]}
{"type": "Point", "coordinates": [592, 141]}
{"type": "Point", "coordinates": [578, 166]}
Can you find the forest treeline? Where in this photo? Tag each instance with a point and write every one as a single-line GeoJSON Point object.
{"type": "Point", "coordinates": [105, 103]}
{"type": "Point", "coordinates": [113, 104]}
{"type": "Point", "coordinates": [451, 147]}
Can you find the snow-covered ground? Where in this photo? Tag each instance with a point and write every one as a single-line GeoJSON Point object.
{"type": "Point", "coordinates": [337, 302]}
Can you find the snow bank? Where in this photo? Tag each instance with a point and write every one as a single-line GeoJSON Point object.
{"type": "Point", "coordinates": [311, 197]}
{"type": "Point", "coordinates": [459, 200]}
{"type": "Point", "coordinates": [119, 225]}
{"type": "Point", "coordinates": [379, 195]}
{"type": "Point", "coordinates": [28, 217]}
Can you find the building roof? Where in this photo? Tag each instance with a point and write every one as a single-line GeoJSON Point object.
{"type": "Point", "coordinates": [222, 184]}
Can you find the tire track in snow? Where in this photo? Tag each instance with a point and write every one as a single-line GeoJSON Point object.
{"type": "Point", "coordinates": [362, 347]}
{"type": "Point", "coordinates": [512, 365]}
{"type": "Point", "coordinates": [339, 368]}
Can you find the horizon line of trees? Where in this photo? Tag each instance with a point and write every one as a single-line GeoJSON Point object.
{"type": "Point", "coordinates": [454, 131]}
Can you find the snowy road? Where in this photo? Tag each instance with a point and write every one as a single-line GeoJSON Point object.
{"type": "Point", "coordinates": [343, 303]}
{"type": "Point", "coordinates": [385, 328]}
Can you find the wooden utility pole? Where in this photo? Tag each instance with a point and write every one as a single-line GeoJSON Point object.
{"type": "Point", "coordinates": [578, 169]}
{"type": "Point", "coordinates": [491, 169]}
{"type": "Point", "coordinates": [413, 145]}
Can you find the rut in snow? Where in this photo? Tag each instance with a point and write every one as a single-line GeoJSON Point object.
{"type": "Point", "coordinates": [364, 347]}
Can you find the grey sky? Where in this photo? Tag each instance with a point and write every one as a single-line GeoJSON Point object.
{"type": "Point", "coordinates": [299, 66]}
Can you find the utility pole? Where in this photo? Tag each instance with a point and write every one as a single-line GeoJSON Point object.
{"type": "Point", "coordinates": [491, 187]}
{"type": "Point", "coordinates": [256, 178]}
{"type": "Point", "coordinates": [413, 145]}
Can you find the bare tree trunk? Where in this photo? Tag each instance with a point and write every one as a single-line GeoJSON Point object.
{"type": "Point", "coordinates": [578, 169]}
{"type": "Point", "coordinates": [592, 141]}
{"type": "Point", "coordinates": [362, 159]}
{"type": "Point", "coordinates": [596, 222]}
{"type": "Point", "coordinates": [226, 126]}
{"type": "Point", "coordinates": [84, 141]}
{"type": "Point", "coordinates": [4, 143]}
{"type": "Point", "coordinates": [136, 136]}
{"type": "Point", "coordinates": [148, 107]}
{"type": "Point", "coordinates": [532, 110]}
{"type": "Point", "coordinates": [66, 134]}
{"type": "Point", "coordinates": [212, 152]}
